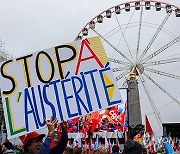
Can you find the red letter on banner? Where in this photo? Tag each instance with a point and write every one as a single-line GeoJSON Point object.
{"type": "Point", "coordinates": [80, 59]}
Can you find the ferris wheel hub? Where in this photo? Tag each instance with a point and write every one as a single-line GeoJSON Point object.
{"type": "Point", "coordinates": [137, 68]}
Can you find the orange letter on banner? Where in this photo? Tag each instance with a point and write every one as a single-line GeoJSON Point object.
{"type": "Point", "coordinates": [80, 59]}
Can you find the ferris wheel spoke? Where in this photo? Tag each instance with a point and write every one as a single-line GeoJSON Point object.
{"type": "Point", "coordinates": [125, 85]}
{"type": "Point", "coordinates": [117, 29]}
{"type": "Point", "coordinates": [112, 46]}
{"type": "Point", "coordinates": [165, 106]}
{"type": "Point", "coordinates": [177, 39]}
{"type": "Point", "coordinates": [154, 36]}
{"type": "Point", "coordinates": [161, 88]}
{"type": "Point", "coordinates": [124, 37]}
{"type": "Point", "coordinates": [162, 73]}
{"type": "Point", "coordinates": [139, 33]}
{"type": "Point", "coordinates": [154, 108]}
{"type": "Point", "coordinates": [165, 30]}
{"type": "Point", "coordinates": [118, 69]}
{"type": "Point", "coordinates": [122, 75]}
{"type": "Point", "coordinates": [163, 61]}
{"type": "Point", "coordinates": [127, 26]}
{"type": "Point", "coordinates": [118, 61]}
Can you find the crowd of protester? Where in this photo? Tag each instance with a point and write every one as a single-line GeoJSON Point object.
{"type": "Point", "coordinates": [35, 146]}
{"type": "Point", "coordinates": [35, 143]}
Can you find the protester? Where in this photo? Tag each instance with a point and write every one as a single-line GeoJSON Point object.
{"type": "Point", "coordinates": [159, 151]}
{"type": "Point", "coordinates": [33, 141]}
{"type": "Point", "coordinates": [132, 147]}
{"type": "Point", "coordinates": [144, 150]}
{"type": "Point", "coordinates": [115, 149]}
{"type": "Point", "coordinates": [62, 143]}
{"type": "Point", "coordinates": [7, 148]}
{"type": "Point", "coordinates": [178, 146]}
{"type": "Point", "coordinates": [86, 151]}
{"type": "Point", "coordinates": [19, 148]}
{"type": "Point", "coordinates": [78, 151]}
{"type": "Point", "coordinates": [0, 149]}
{"type": "Point", "coordinates": [68, 150]}
{"type": "Point", "coordinates": [100, 150]}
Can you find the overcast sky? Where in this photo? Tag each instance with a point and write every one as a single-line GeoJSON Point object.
{"type": "Point", "coordinates": [28, 26]}
{"type": "Point", "coordinates": [31, 25]}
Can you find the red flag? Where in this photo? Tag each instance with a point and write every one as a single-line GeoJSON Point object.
{"type": "Point", "coordinates": [74, 120]}
{"type": "Point", "coordinates": [117, 141]}
{"type": "Point", "coordinates": [86, 126]}
{"type": "Point", "coordinates": [148, 127]}
{"type": "Point", "coordinates": [95, 117]}
{"type": "Point", "coordinates": [53, 143]}
{"type": "Point", "coordinates": [149, 130]}
{"type": "Point", "coordinates": [123, 117]}
{"type": "Point", "coordinates": [90, 140]}
{"type": "Point", "coordinates": [125, 136]}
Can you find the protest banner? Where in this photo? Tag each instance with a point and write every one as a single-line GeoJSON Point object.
{"type": "Point", "coordinates": [66, 81]}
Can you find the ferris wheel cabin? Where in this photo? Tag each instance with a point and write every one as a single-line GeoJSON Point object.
{"type": "Point", "coordinates": [100, 18]}
{"type": "Point", "coordinates": [168, 9]}
{"type": "Point", "coordinates": [147, 5]}
{"type": "Point", "coordinates": [85, 32]}
{"type": "Point", "coordinates": [127, 7]}
{"type": "Point", "coordinates": [108, 13]}
{"type": "Point", "coordinates": [137, 5]}
{"type": "Point", "coordinates": [158, 6]}
{"type": "Point", "coordinates": [92, 24]}
{"type": "Point", "coordinates": [177, 12]}
{"type": "Point", "coordinates": [117, 9]}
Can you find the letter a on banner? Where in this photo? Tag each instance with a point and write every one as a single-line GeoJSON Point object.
{"type": "Point", "coordinates": [93, 55]}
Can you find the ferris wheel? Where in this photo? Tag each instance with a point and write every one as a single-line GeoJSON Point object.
{"type": "Point", "coordinates": [143, 37]}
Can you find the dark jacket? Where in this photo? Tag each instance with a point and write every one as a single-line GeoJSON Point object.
{"type": "Point", "coordinates": [60, 146]}
{"type": "Point", "coordinates": [57, 149]}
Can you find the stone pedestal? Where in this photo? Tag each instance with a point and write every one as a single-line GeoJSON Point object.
{"type": "Point", "coordinates": [134, 109]}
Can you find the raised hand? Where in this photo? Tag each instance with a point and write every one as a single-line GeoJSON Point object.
{"type": "Point", "coordinates": [51, 124]}
{"type": "Point", "coordinates": [63, 125]}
